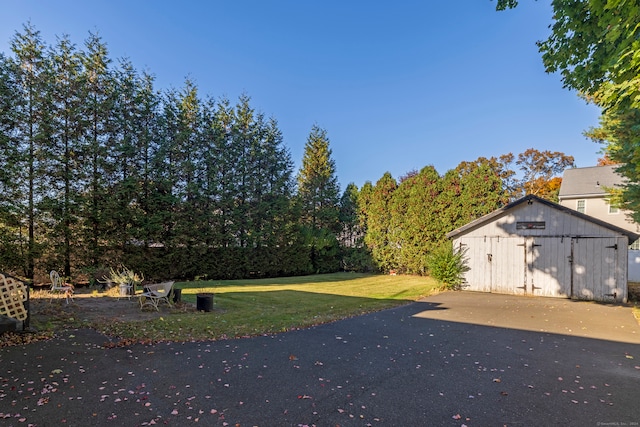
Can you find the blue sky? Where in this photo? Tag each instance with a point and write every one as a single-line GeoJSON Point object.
{"type": "Point", "coordinates": [397, 85]}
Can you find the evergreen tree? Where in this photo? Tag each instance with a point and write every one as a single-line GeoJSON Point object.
{"type": "Point", "coordinates": [469, 193]}
{"type": "Point", "coordinates": [355, 255]}
{"type": "Point", "coordinates": [351, 233]}
{"type": "Point", "coordinates": [379, 238]}
{"type": "Point", "coordinates": [188, 153]}
{"type": "Point", "coordinates": [94, 156]}
{"type": "Point", "coordinates": [143, 123]}
{"type": "Point", "coordinates": [32, 79]}
{"type": "Point", "coordinates": [221, 174]}
{"type": "Point", "coordinates": [99, 142]}
{"type": "Point", "coordinates": [273, 194]}
{"type": "Point", "coordinates": [407, 223]}
{"type": "Point", "coordinates": [500, 167]}
{"type": "Point", "coordinates": [317, 183]}
{"type": "Point", "coordinates": [243, 149]}
{"type": "Point", "coordinates": [318, 193]}
{"type": "Point", "coordinates": [208, 174]}
{"type": "Point", "coordinates": [256, 194]}
{"type": "Point", "coordinates": [416, 222]}
{"type": "Point", "coordinates": [62, 163]}
{"type": "Point", "coordinates": [166, 173]}
{"type": "Point", "coordinates": [145, 228]}
{"type": "Point", "coordinates": [364, 206]}
{"type": "Point", "coordinates": [10, 159]}
{"type": "Point", "coordinates": [114, 175]}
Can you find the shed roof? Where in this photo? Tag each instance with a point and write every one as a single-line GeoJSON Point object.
{"type": "Point", "coordinates": [591, 181]}
{"type": "Point", "coordinates": [505, 209]}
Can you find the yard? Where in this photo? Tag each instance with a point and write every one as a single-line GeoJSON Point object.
{"type": "Point", "coordinates": [241, 307]}
{"type": "Point", "coordinates": [451, 359]}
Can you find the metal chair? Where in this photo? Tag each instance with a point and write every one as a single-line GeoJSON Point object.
{"type": "Point", "coordinates": [154, 294]}
{"type": "Point", "coordinates": [59, 287]}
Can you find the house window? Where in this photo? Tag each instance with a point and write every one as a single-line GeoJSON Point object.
{"type": "Point", "coordinates": [581, 206]}
{"type": "Point", "coordinates": [613, 209]}
{"type": "Point", "coordinates": [635, 246]}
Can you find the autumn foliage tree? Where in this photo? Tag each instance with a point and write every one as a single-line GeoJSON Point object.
{"type": "Point", "coordinates": [540, 170]}
{"type": "Point", "coordinates": [605, 160]}
{"type": "Point", "coordinates": [536, 172]}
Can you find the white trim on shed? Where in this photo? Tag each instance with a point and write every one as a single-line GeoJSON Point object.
{"type": "Point", "coordinates": [536, 247]}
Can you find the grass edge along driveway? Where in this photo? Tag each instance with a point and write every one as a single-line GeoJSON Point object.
{"type": "Point", "coordinates": [264, 306]}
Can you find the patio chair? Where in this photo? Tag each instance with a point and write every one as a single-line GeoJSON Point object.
{"type": "Point", "coordinates": [154, 294]}
{"type": "Point", "coordinates": [126, 290]}
{"type": "Point", "coordinates": [105, 283]}
{"type": "Point", "coordinates": [59, 287]}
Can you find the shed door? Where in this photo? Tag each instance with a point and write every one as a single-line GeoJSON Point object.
{"type": "Point", "coordinates": [479, 260]}
{"type": "Point", "coordinates": [508, 266]}
{"type": "Point", "coordinates": [549, 266]}
{"type": "Point", "coordinates": [533, 266]}
{"type": "Point", "coordinates": [596, 267]}
{"type": "Point", "coordinates": [496, 264]}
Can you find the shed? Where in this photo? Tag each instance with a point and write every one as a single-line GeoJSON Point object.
{"type": "Point", "coordinates": [536, 247]}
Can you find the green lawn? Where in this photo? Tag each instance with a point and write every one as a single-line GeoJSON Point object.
{"type": "Point", "coordinates": [254, 307]}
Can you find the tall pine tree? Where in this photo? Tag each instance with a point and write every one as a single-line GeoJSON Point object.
{"type": "Point", "coordinates": [99, 140]}
{"type": "Point", "coordinates": [64, 143]}
{"type": "Point", "coordinates": [379, 222]}
{"type": "Point", "coordinates": [10, 159]}
{"type": "Point", "coordinates": [318, 193]}
{"type": "Point", "coordinates": [416, 220]}
{"type": "Point", "coordinates": [32, 73]}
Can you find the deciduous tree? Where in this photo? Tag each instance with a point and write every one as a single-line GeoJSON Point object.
{"type": "Point", "coordinates": [540, 170]}
{"type": "Point", "coordinates": [595, 45]}
{"type": "Point", "coordinates": [619, 131]}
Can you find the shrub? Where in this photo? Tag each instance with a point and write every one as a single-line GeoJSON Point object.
{"type": "Point", "coordinates": [448, 266]}
{"type": "Point", "coordinates": [124, 276]}
{"type": "Point", "coordinates": [358, 260]}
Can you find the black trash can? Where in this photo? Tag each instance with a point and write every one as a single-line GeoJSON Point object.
{"type": "Point", "coordinates": [177, 295]}
{"type": "Point", "coordinates": [204, 302]}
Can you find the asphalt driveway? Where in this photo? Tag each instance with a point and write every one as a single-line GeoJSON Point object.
{"type": "Point", "coordinates": [447, 360]}
{"type": "Point", "coordinates": [611, 322]}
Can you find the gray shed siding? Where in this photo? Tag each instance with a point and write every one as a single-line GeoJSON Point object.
{"type": "Point", "coordinates": [557, 223]}
{"type": "Point", "coordinates": [539, 249]}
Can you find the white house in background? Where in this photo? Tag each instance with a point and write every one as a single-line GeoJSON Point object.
{"type": "Point", "coordinates": [585, 190]}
